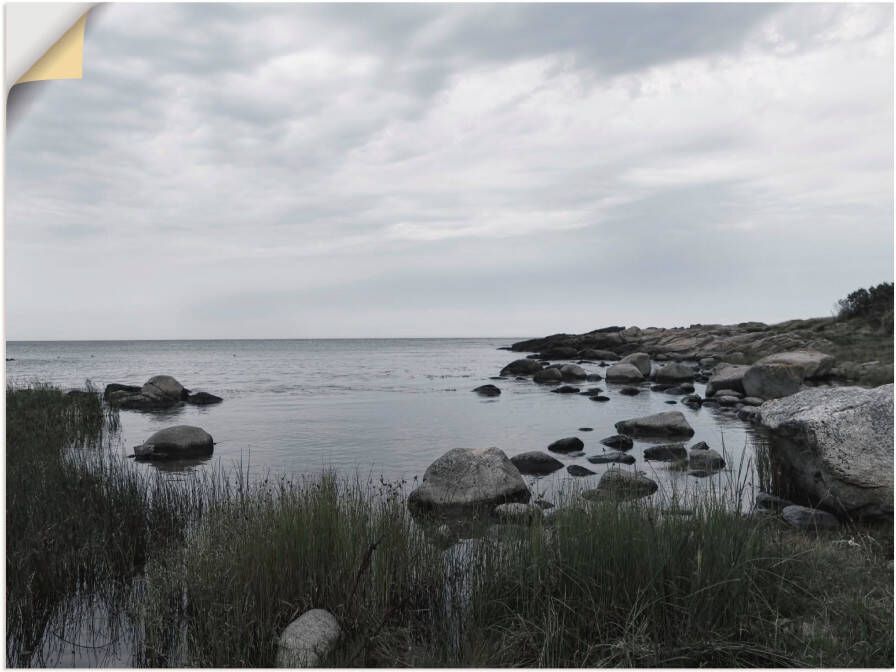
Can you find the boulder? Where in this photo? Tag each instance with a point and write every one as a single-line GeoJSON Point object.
{"type": "Point", "coordinates": [692, 401]}
{"type": "Point", "coordinates": [549, 375]}
{"type": "Point", "coordinates": [308, 640]}
{"type": "Point", "coordinates": [521, 367]}
{"type": "Point", "coordinates": [536, 463]}
{"type": "Point", "coordinates": [176, 442]}
{"type": "Point", "coordinates": [805, 518]}
{"type": "Point", "coordinates": [118, 387]}
{"type": "Point", "coordinates": [577, 470]}
{"type": "Point", "coordinates": [667, 423]}
{"type": "Point", "coordinates": [813, 364]}
{"type": "Point", "coordinates": [640, 360]}
{"type": "Point", "coordinates": [675, 372]}
{"type": "Point", "coordinates": [519, 513]}
{"type": "Point", "coordinates": [573, 372]}
{"type": "Point", "coordinates": [465, 480]}
{"type": "Point", "coordinates": [621, 484]}
{"type": "Point", "coordinates": [612, 456]}
{"type": "Point", "coordinates": [566, 389]}
{"type": "Point", "coordinates": [668, 452]}
{"type": "Point", "coordinates": [204, 398]}
{"type": "Point", "coordinates": [726, 377]}
{"type": "Point", "coordinates": [772, 381]}
{"type": "Point", "coordinates": [629, 391]}
{"type": "Point", "coordinates": [837, 443]}
{"type": "Point", "coordinates": [571, 444]}
{"type": "Point", "coordinates": [705, 459]}
{"type": "Point", "coordinates": [725, 400]}
{"type": "Point", "coordinates": [164, 387]}
{"type": "Point", "coordinates": [618, 441]}
{"type": "Point", "coordinates": [624, 373]}
{"type": "Point", "coordinates": [594, 377]}
{"type": "Point", "coordinates": [138, 402]}
{"type": "Point", "coordinates": [488, 390]}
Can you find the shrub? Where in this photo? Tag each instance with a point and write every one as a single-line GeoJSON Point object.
{"type": "Point", "coordinates": [874, 304]}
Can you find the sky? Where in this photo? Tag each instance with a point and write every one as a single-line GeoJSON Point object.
{"type": "Point", "coordinates": [317, 171]}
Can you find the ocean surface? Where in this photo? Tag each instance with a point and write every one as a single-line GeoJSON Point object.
{"type": "Point", "coordinates": [364, 407]}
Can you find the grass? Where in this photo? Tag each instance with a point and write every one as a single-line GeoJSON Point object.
{"type": "Point", "coordinates": [208, 572]}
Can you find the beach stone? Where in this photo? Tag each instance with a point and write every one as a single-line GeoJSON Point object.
{"type": "Point", "coordinates": [837, 443]}
{"type": "Point", "coordinates": [618, 441]}
{"type": "Point", "coordinates": [308, 640]}
{"type": "Point", "coordinates": [578, 470]}
{"type": "Point", "coordinates": [667, 423]}
{"type": "Point", "coordinates": [675, 372]}
{"type": "Point", "coordinates": [177, 442]}
{"type": "Point", "coordinates": [621, 484]}
{"type": "Point", "coordinates": [667, 452]}
{"type": "Point", "coordinates": [566, 389]}
{"type": "Point", "coordinates": [525, 367]}
{"type": "Point", "coordinates": [812, 364]}
{"type": "Point", "coordinates": [548, 375]}
{"type": "Point", "coordinates": [536, 463]}
{"type": "Point", "coordinates": [630, 391]}
{"type": "Point", "coordinates": [705, 459]}
{"type": "Point", "coordinates": [164, 387]}
{"type": "Point", "coordinates": [805, 518]}
{"type": "Point", "coordinates": [519, 513]}
{"type": "Point", "coordinates": [624, 373]}
{"type": "Point", "coordinates": [203, 399]}
{"type": "Point", "coordinates": [572, 372]}
{"type": "Point", "coordinates": [571, 444]}
{"type": "Point", "coordinates": [488, 390]}
{"type": "Point", "coordinates": [772, 381]}
{"type": "Point", "coordinates": [640, 360]}
{"type": "Point", "coordinates": [463, 480]}
{"type": "Point", "coordinates": [612, 456]}
{"type": "Point", "coordinates": [727, 377]}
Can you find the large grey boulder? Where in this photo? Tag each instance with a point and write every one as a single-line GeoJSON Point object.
{"type": "Point", "coordinates": [464, 480]}
{"type": "Point", "coordinates": [176, 442]}
{"type": "Point", "coordinates": [308, 640]}
{"type": "Point", "coordinates": [675, 372]}
{"type": "Point", "coordinates": [536, 463]}
{"type": "Point", "coordinates": [573, 372]}
{"type": "Point", "coordinates": [772, 381]}
{"type": "Point", "coordinates": [726, 378]}
{"type": "Point", "coordinates": [668, 423]}
{"type": "Point", "coordinates": [640, 360]}
{"type": "Point", "coordinates": [812, 363]}
{"type": "Point", "coordinates": [549, 375]}
{"type": "Point", "coordinates": [838, 443]}
{"type": "Point", "coordinates": [164, 387]}
{"type": "Point", "coordinates": [521, 367]}
{"type": "Point", "coordinates": [624, 372]}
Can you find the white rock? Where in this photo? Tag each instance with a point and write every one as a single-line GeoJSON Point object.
{"type": "Point", "coordinates": [308, 640]}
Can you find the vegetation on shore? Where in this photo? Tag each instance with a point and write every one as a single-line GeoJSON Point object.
{"type": "Point", "coordinates": [209, 570]}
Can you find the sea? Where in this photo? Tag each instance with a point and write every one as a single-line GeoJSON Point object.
{"type": "Point", "coordinates": [374, 408]}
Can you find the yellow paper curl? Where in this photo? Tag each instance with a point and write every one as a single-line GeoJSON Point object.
{"type": "Point", "coordinates": [64, 60]}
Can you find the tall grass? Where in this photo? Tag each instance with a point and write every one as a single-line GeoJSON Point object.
{"type": "Point", "coordinates": [209, 571]}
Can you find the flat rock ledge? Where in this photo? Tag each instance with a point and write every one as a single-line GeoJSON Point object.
{"type": "Point", "coordinates": [308, 640]}
{"type": "Point", "coordinates": [465, 481]}
{"type": "Point", "coordinates": [837, 442]}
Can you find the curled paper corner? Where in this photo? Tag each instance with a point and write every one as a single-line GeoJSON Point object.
{"type": "Point", "coordinates": [63, 60]}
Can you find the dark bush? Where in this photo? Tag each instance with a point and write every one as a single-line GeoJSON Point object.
{"type": "Point", "coordinates": [874, 304]}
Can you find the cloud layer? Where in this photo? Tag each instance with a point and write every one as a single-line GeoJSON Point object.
{"type": "Point", "coordinates": [424, 170]}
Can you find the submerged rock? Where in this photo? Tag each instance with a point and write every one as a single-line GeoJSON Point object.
{"type": "Point", "coordinates": [630, 391]}
{"type": "Point", "coordinates": [566, 389]}
{"type": "Point", "coordinates": [570, 444]}
{"type": "Point", "coordinates": [618, 441]}
{"type": "Point", "coordinates": [837, 443]}
{"type": "Point", "coordinates": [622, 484]}
{"type": "Point", "coordinates": [488, 390]}
{"type": "Point", "coordinates": [176, 442]}
{"type": "Point", "coordinates": [536, 463]}
{"type": "Point", "coordinates": [308, 640]}
{"type": "Point", "coordinates": [667, 452]}
{"type": "Point", "coordinates": [612, 456]}
{"type": "Point", "coordinates": [667, 423]}
{"type": "Point", "coordinates": [578, 470]}
{"type": "Point", "coordinates": [465, 480]}
{"type": "Point", "coordinates": [203, 399]}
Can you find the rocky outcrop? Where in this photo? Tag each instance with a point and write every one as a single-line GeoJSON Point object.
{"type": "Point", "coordinates": [812, 364]}
{"type": "Point", "coordinates": [465, 480]}
{"type": "Point", "coordinates": [308, 640]}
{"type": "Point", "coordinates": [837, 445]}
{"type": "Point", "coordinates": [536, 463]}
{"type": "Point", "coordinates": [668, 423]}
{"type": "Point", "coordinates": [172, 443]}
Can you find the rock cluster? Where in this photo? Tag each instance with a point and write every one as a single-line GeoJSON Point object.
{"type": "Point", "coordinates": [159, 392]}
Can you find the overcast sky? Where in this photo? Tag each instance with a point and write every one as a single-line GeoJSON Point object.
{"type": "Point", "coordinates": [227, 171]}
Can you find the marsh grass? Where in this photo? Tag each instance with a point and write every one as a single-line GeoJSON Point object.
{"type": "Point", "coordinates": [208, 571]}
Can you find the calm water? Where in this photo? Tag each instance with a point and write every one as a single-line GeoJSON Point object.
{"type": "Point", "coordinates": [380, 407]}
